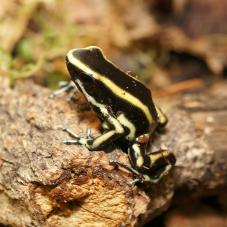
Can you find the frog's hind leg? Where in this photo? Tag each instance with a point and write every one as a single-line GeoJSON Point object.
{"type": "Point", "coordinates": [138, 176]}
{"type": "Point", "coordinates": [161, 162]}
{"type": "Point", "coordinates": [136, 153]}
{"type": "Point", "coordinates": [147, 167]}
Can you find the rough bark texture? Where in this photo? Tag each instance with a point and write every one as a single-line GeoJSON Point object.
{"type": "Point", "coordinates": [44, 182]}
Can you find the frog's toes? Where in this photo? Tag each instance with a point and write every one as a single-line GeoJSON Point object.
{"type": "Point", "coordinates": [71, 133]}
{"type": "Point", "coordinates": [68, 142]}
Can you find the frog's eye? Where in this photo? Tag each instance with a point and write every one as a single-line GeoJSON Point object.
{"type": "Point", "coordinates": [96, 52]}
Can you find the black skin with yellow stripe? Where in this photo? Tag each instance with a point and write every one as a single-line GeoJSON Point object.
{"type": "Point", "coordinates": [125, 107]}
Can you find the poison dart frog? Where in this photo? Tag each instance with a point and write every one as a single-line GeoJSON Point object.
{"type": "Point", "coordinates": [126, 109]}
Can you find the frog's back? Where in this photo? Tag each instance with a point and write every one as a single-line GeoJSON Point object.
{"type": "Point", "coordinates": [120, 91]}
{"type": "Point", "coordinates": [122, 84]}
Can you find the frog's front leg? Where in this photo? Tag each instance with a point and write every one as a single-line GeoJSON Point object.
{"type": "Point", "coordinates": [65, 86]}
{"type": "Point", "coordinates": [115, 131]}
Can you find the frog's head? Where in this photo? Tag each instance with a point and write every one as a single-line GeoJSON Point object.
{"type": "Point", "coordinates": [80, 63]}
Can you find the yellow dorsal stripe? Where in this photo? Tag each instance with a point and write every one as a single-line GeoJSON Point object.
{"type": "Point", "coordinates": [110, 84]}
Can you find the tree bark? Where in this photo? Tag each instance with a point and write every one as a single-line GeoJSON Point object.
{"type": "Point", "coordinates": [44, 182]}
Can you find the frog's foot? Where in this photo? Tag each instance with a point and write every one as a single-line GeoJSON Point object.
{"type": "Point", "coordinates": [64, 86]}
{"type": "Point", "coordinates": [138, 176]}
{"type": "Point", "coordinates": [76, 138]}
